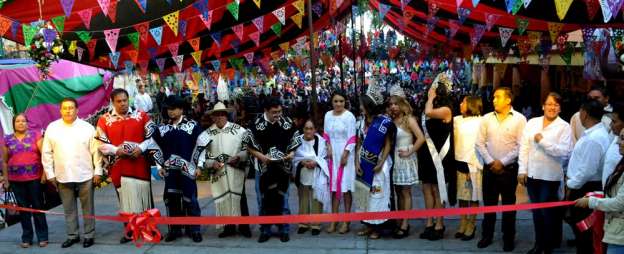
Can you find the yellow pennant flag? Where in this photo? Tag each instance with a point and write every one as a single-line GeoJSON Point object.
{"type": "Point", "coordinates": [257, 2]}
{"type": "Point", "coordinates": [562, 7]}
{"type": "Point", "coordinates": [172, 21]}
{"type": "Point", "coordinates": [72, 47]}
{"type": "Point", "coordinates": [534, 37]}
{"type": "Point", "coordinates": [197, 56]}
{"type": "Point", "coordinates": [297, 18]}
{"type": "Point", "coordinates": [554, 29]}
{"type": "Point", "coordinates": [284, 46]}
{"type": "Point", "coordinates": [299, 5]}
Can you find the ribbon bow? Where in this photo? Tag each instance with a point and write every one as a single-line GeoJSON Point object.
{"type": "Point", "coordinates": [143, 227]}
{"type": "Point", "coordinates": [595, 222]}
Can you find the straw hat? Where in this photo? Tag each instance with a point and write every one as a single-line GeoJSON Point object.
{"type": "Point", "coordinates": [219, 107]}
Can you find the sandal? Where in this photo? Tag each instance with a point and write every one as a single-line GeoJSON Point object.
{"type": "Point", "coordinates": [374, 235]}
{"type": "Point", "coordinates": [365, 232]}
{"type": "Point", "coordinates": [43, 244]}
{"type": "Point", "coordinates": [400, 233]}
{"type": "Point", "coordinates": [25, 245]}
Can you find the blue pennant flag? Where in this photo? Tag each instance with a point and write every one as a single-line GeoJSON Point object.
{"type": "Point", "coordinates": [157, 34]}
{"type": "Point", "coordinates": [216, 36]}
{"type": "Point", "coordinates": [114, 57]}
{"type": "Point", "coordinates": [129, 66]}
{"type": "Point", "coordinates": [216, 64]}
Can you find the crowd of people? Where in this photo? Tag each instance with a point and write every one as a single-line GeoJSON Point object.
{"type": "Point", "coordinates": [367, 162]}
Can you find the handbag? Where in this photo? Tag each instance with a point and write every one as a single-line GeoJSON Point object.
{"type": "Point", "coordinates": [11, 216]}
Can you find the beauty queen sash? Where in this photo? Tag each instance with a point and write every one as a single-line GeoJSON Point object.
{"type": "Point", "coordinates": [338, 189]}
{"type": "Point", "coordinates": [437, 158]}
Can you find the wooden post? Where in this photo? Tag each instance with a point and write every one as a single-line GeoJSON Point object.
{"type": "Point", "coordinates": [314, 99]}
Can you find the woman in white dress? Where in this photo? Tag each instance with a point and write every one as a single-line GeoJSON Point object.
{"type": "Point", "coordinates": [469, 167]}
{"type": "Point", "coordinates": [409, 138]}
{"type": "Point", "coordinates": [339, 133]}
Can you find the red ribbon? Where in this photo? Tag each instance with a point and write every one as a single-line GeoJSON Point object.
{"type": "Point", "coordinates": [142, 226]}
{"type": "Point", "coordinates": [338, 190]}
{"type": "Point", "coordinates": [595, 222]}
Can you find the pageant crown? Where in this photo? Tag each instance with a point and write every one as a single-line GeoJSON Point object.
{"type": "Point", "coordinates": [397, 90]}
{"type": "Point", "coordinates": [443, 79]}
{"type": "Point", "coordinates": [374, 92]}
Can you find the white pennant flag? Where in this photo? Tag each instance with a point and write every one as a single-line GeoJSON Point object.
{"type": "Point", "coordinates": [281, 15]}
{"type": "Point", "coordinates": [505, 34]}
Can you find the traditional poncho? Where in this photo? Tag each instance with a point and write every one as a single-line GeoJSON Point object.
{"type": "Point", "coordinates": [320, 176]}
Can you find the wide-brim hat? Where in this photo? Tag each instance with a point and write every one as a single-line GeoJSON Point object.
{"type": "Point", "coordinates": [174, 101]}
{"type": "Point", "coordinates": [219, 107]}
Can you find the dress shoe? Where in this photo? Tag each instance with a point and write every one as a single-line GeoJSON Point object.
{"type": "Point", "coordinates": [484, 243]}
{"type": "Point", "coordinates": [264, 237]}
{"type": "Point", "coordinates": [302, 230]}
{"type": "Point", "coordinates": [427, 233]}
{"type": "Point", "coordinates": [535, 250]}
{"type": "Point", "coordinates": [468, 237]}
{"type": "Point", "coordinates": [88, 242]}
{"type": "Point", "coordinates": [244, 231]}
{"type": "Point", "coordinates": [227, 232]}
{"type": "Point", "coordinates": [171, 236]}
{"type": "Point", "coordinates": [508, 245]}
{"type": "Point", "coordinates": [316, 231]}
{"type": "Point", "coordinates": [69, 242]}
{"type": "Point", "coordinates": [284, 237]}
{"type": "Point", "coordinates": [197, 237]}
{"type": "Point", "coordinates": [124, 239]}
{"type": "Point", "coordinates": [437, 234]}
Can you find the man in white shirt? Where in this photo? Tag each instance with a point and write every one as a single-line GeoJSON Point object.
{"type": "Point", "coordinates": [71, 162]}
{"type": "Point", "coordinates": [585, 168]}
{"type": "Point", "coordinates": [598, 93]}
{"type": "Point", "coordinates": [498, 142]}
{"type": "Point", "coordinates": [546, 144]}
{"type": "Point", "coordinates": [613, 155]}
{"type": "Point", "coordinates": [142, 101]}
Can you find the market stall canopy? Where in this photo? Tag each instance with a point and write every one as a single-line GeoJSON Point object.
{"type": "Point", "coordinates": [164, 34]}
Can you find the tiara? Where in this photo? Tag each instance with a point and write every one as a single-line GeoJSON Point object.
{"type": "Point", "coordinates": [397, 90]}
{"type": "Point", "coordinates": [374, 92]}
{"type": "Point", "coordinates": [443, 79]}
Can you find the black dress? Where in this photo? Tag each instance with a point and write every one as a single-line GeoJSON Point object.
{"type": "Point", "coordinates": [438, 131]}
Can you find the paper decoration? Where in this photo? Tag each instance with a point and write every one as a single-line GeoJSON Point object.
{"type": "Point", "coordinates": [235, 44]}
{"type": "Point", "coordinates": [562, 7]}
{"type": "Point", "coordinates": [408, 15]}
{"type": "Point", "coordinates": [431, 21]}
{"type": "Point", "coordinates": [255, 37]}
{"type": "Point", "coordinates": [173, 48]}
{"type": "Point", "coordinates": [299, 5]}
{"type": "Point", "coordinates": [356, 10]}
{"type": "Point", "coordinates": [161, 63]}
{"type": "Point", "coordinates": [526, 3]}
{"type": "Point", "coordinates": [588, 34]}
{"type": "Point", "coordinates": [383, 10]}
{"type": "Point", "coordinates": [5, 25]}
{"type": "Point", "coordinates": [91, 46]}
{"type": "Point", "coordinates": [453, 27]}
{"type": "Point", "coordinates": [238, 30]}
{"type": "Point", "coordinates": [510, 4]}
{"type": "Point", "coordinates": [133, 54]}
{"type": "Point", "coordinates": [505, 34]}
{"type": "Point", "coordinates": [104, 5]}
{"type": "Point", "coordinates": [142, 28]}
{"type": "Point", "coordinates": [172, 21]}
{"type": "Point", "coordinates": [111, 38]}
{"type": "Point", "coordinates": [129, 66]}
{"type": "Point", "coordinates": [259, 23]}
{"type": "Point", "coordinates": [114, 58]}
{"type": "Point", "coordinates": [134, 39]}
{"type": "Point", "coordinates": [554, 29]}
{"type": "Point", "coordinates": [462, 14]}
{"type": "Point", "coordinates": [48, 36]}
{"type": "Point", "coordinates": [432, 9]}
{"type": "Point", "coordinates": [112, 11]}
{"type": "Point", "coordinates": [281, 15]}
{"type": "Point", "coordinates": [14, 27]}
{"type": "Point", "coordinates": [80, 53]}
{"type": "Point", "coordinates": [284, 46]}
{"type": "Point", "coordinates": [29, 32]}
{"type": "Point", "coordinates": [298, 19]}
{"type": "Point", "coordinates": [534, 37]}
{"type": "Point", "coordinates": [143, 65]}
{"type": "Point", "coordinates": [156, 33]}
{"type": "Point", "coordinates": [317, 8]}
{"type": "Point", "coordinates": [84, 36]}
{"type": "Point", "coordinates": [516, 6]}
{"type": "Point", "coordinates": [404, 3]}
{"type": "Point", "coordinates": [197, 57]}
{"type": "Point", "coordinates": [195, 42]}
{"type": "Point", "coordinates": [216, 64]}
{"type": "Point", "coordinates": [201, 5]}
{"type": "Point", "coordinates": [592, 8]}
{"type": "Point", "coordinates": [610, 8]}
{"type": "Point", "coordinates": [475, 3]}
{"type": "Point", "coordinates": [216, 36]}
{"type": "Point", "coordinates": [179, 60]}
{"type": "Point", "coordinates": [522, 25]}
{"type": "Point", "coordinates": [72, 47]}
{"type": "Point", "coordinates": [250, 57]}
{"type": "Point", "coordinates": [490, 20]}
{"type": "Point", "coordinates": [277, 29]}
{"type": "Point", "coordinates": [67, 6]}
{"type": "Point", "coordinates": [85, 16]}
{"type": "Point", "coordinates": [233, 8]}
{"type": "Point", "coordinates": [206, 18]}
{"type": "Point", "coordinates": [153, 52]}
{"type": "Point", "coordinates": [257, 2]}
{"type": "Point", "coordinates": [143, 4]}
{"type": "Point", "coordinates": [566, 56]}
{"type": "Point", "coordinates": [477, 33]}
{"type": "Point", "coordinates": [459, 2]}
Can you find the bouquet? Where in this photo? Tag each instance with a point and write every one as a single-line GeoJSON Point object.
{"type": "Point", "coordinates": [45, 48]}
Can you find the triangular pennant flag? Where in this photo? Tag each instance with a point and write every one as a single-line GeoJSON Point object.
{"type": "Point", "coordinates": [505, 34]}
{"type": "Point", "coordinates": [235, 44]}
{"type": "Point", "coordinates": [554, 29]}
{"type": "Point", "coordinates": [206, 18]}
{"type": "Point", "coordinates": [91, 46]}
{"type": "Point", "coordinates": [29, 32]}
{"type": "Point", "coordinates": [475, 3]}
{"type": "Point", "coordinates": [142, 4]}
{"type": "Point", "coordinates": [459, 2]}
{"type": "Point", "coordinates": [356, 10]}
{"type": "Point", "coordinates": [526, 3]}
{"type": "Point", "coordinates": [592, 8]}
{"type": "Point", "coordinates": [453, 27]}
{"type": "Point", "coordinates": [59, 23]}
{"type": "Point", "coordinates": [408, 15]}
{"type": "Point", "coordinates": [233, 8]}
{"type": "Point", "coordinates": [298, 19]}
{"type": "Point", "coordinates": [510, 4]}
{"type": "Point", "coordinates": [478, 32]}
{"type": "Point", "coordinates": [104, 5]}
{"type": "Point", "coordinates": [179, 60]}
{"type": "Point", "coordinates": [216, 36]}
{"type": "Point", "coordinates": [317, 8]}
{"type": "Point", "coordinates": [299, 5]}
{"type": "Point", "coordinates": [259, 23]}
{"type": "Point", "coordinates": [281, 15]}
{"type": "Point", "coordinates": [562, 7]}
{"type": "Point", "coordinates": [431, 22]}
{"type": "Point", "coordinates": [143, 65]}
{"type": "Point", "coordinates": [73, 45]}
{"type": "Point", "coordinates": [157, 34]}
{"type": "Point", "coordinates": [610, 8]}
{"type": "Point", "coordinates": [522, 25]}
{"type": "Point", "coordinates": [172, 21]}
{"type": "Point", "coordinates": [5, 25]}
{"type": "Point", "coordinates": [255, 37]}
{"type": "Point", "coordinates": [134, 39]}
{"type": "Point", "coordinates": [48, 36]}
{"type": "Point", "coordinates": [490, 20]}
{"type": "Point", "coordinates": [80, 53]}
{"type": "Point", "coordinates": [114, 58]}
{"type": "Point", "coordinates": [173, 48]}
{"type": "Point", "coordinates": [238, 30]}
{"type": "Point", "coordinates": [152, 52]}
{"type": "Point", "coordinates": [216, 64]}
{"type": "Point", "coordinates": [182, 28]}
{"type": "Point", "coordinates": [201, 5]}
{"type": "Point", "coordinates": [161, 63]}
{"type": "Point", "coordinates": [534, 37]}
{"type": "Point", "coordinates": [277, 29]}
{"type": "Point", "coordinates": [84, 36]}
{"type": "Point", "coordinates": [257, 2]}
{"type": "Point", "coordinates": [112, 11]}
{"type": "Point", "coordinates": [142, 28]}
{"type": "Point", "coordinates": [516, 7]}
{"type": "Point", "coordinates": [383, 10]}
{"type": "Point", "coordinates": [133, 54]}
{"type": "Point", "coordinates": [432, 9]}
{"type": "Point", "coordinates": [284, 46]}
{"type": "Point", "coordinates": [462, 14]}
{"type": "Point", "coordinates": [404, 3]}
{"type": "Point", "coordinates": [250, 57]}
{"type": "Point", "coordinates": [195, 43]}
{"type": "Point", "coordinates": [111, 38]}
{"type": "Point", "coordinates": [67, 6]}
{"type": "Point", "coordinates": [129, 65]}
{"type": "Point", "coordinates": [197, 57]}
{"type": "Point", "coordinates": [14, 27]}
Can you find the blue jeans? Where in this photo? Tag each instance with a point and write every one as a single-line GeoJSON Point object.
{"type": "Point", "coordinates": [283, 228]}
{"type": "Point", "coordinates": [615, 249]}
{"type": "Point", "coordinates": [30, 194]}
{"type": "Point", "coordinates": [547, 222]}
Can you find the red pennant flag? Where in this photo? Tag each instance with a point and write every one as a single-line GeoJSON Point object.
{"type": "Point", "coordinates": [91, 47]}
{"type": "Point", "coordinates": [143, 29]}
{"type": "Point", "coordinates": [112, 11]}
{"type": "Point", "coordinates": [85, 16]}
{"type": "Point", "coordinates": [133, 54]}
{"type": "Point", "coordinates": [238, 30]}
{"type": "Point", "coordinates": [5, 24]}
{"type": "Point", "coordinates": [207, 20]}
{"type": "Point", "coordinates": [255, 37]}
{"type": "Point", "coordinates": [195, 43]}
{"type": "Point", "coordinates": [592, 8]}
{"type": "Point", "coordinates": [173, 48]}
